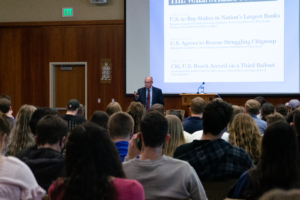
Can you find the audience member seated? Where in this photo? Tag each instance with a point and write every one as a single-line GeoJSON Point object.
{"type": "Point", "coordinates": [244, 133]}
{"type": "Point", "coordinates": [100, 118]}
{"type": "Point", "coordinates": [176, 113]}
{"type": "Point", "coordinates": [198, 134]}
{"type": "Point", "coordinates": [4, 96]}
{"type": "Point", "coordinates": [262, 101]}
{"type": "Point", "coordinates": [275, 118]}
{"type": "Point", "coordinates": [93, 169]}
{"type": "Point", "coordinates": [278, 194]}
{"type": "Point", "coordinates": [278, 166]}
{"type": "Point", "coordinates": [194, 122]}
{"type": "Point", "coordinates": [266, 109]}
{"type": "Point", "coordinates": [161, 176]}
{"type": "Point", "coordinates": [71, 117]}
{"type": "Point", "coordinates": [36, 116]}
{"type": "Point", "coordinates": [16, 179]}
{"type": "Point", "coordinates": [46, 162]}
{"type": "Point", "coordinates": [213, 158]}
{"type": "Point", "coordinates": [136, 111]}
{"type": "Point", "coordinates": [159, 108]}
{"type": "Point", "coordinates": [292, 104]}
{"type": "Point", "coordinates": [120, 129]}
{"type": "Point", "coordinates": [5, 107]}
{"type": "Point", "coordinates": [112, 108]}
{"type": "Point", "coordinates": [282, 109]}
{"type": "Point", "coordinates": [176, 132]}
{"type": "Point", "coordinates": [185, 134]}
{"type": "Point", "coordinates": [252, 108]}
{"type": "Point", "coordinates": [21, 137]}
{"type": "Point", "coordinates": [80, 110]}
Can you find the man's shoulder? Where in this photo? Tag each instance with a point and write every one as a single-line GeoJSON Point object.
{"type": "Point", "coordinates": [73, 118]}
{"type": "Point", "coordinates": [156, 89]}
{"type": "Point", "coordinates": [182, 149]}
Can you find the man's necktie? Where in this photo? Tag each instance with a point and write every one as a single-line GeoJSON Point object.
{"type": "Point", "coordinates": [148, 100]}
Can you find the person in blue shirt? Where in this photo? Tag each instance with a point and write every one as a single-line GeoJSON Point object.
{"type": "Point", "coordinates": [120, 129]}
{"type": "Point", "coordinates": [252, 107]}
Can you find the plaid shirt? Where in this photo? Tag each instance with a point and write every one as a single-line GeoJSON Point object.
{"type": "Point", "coordinates": [217, 160]}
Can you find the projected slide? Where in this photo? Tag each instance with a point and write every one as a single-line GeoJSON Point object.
{"type": "Point", "coordinates": [223, 41]}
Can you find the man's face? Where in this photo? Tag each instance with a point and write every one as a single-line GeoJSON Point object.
{"type": "Point", "coordinates": [148, 82]}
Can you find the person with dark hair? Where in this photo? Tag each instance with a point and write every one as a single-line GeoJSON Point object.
{"type": "Point", "coordinates": [81, 110]}
{"type": "Point", "coordinates": [158, 107]}
{"type": "Point", "coordinates": [266, 110]}
{"type": "Point", "coordinates": [136, 111]}
{"type": "Point", "coordinates": [162, 177]}
{"type": "Point", "coordinates": [252, 107]}
{"type": "Point", "coordinates": [36, 116]}
{"type": "Point", "coordinates": [176, 113]}
{"type": "Point", "coordinates": [213, 158]}
{"type": "Point", "coordinates": [275, 118]}
{"type": "Point", "coordinates": [5, 107]}
{"type": "Point", "coordinates": [278, 166]}
{"type": "Point", "coordinates": [47, 161]}
{"type": "Point", "coordinates": [296, 125]}
{"type": "Point", "coordinates": [17, 181]}
{"type": "Point", "coordinates": [100, 118]}
{"type": "Point", "coordinates": [120, 129]}
{"type": "Point", "coordinates": [71, 117]}
{"type": "Point", "coordinates": [93, 169]}
{"type": "Point", "coordinates": [194, 122]}
{"type": "Point", "coordinates": [261, 100]}
{"type": "Point", "coordinates": [282, 109]}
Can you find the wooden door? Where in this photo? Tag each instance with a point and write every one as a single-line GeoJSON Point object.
{"type": "Point", "coordinates": [69, 85]}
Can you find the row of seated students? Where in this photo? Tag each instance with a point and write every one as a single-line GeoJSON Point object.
{"type": "Point", "coordinates": [141, 154]}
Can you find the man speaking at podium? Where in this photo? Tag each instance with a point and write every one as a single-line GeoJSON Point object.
{"type": "Point", "coordinates": [149, 95]}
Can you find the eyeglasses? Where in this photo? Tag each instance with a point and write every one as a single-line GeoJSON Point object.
{"type": "Point", "coordinates": [148, 82]}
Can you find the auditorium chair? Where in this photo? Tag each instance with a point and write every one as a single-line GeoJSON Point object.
{"type": "Point", "coordinates": [217, 190]}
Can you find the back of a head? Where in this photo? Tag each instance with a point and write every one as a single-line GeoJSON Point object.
{"type": "Point", "coordinates": [4, 126]}
{"type": "Point", "coordinates": [177, 114]}
{"type": "Point", "coordinates": [91, 157]}
{"type": "Point", "coordinates": [216, 116]}
{"type": "Point", "coordinates": [282, 109]}
{"type": "Point", "coordinates": [278, 194]}
{"type": "Point", "coordinates": [252, 107]}
{"type": "Point", "coordinates": [120, 125]}
{"type": "Point", "coordinates": [236, 110]}
{"type": "Point", "coordinates": [175, 130]}
{"type": "Point", "coordinates": [80, 110]}
{"type": "Point", "coordinates": [37, 115]}
{"type": "Point", "coordinates": [112, 108]}
{"type": "Point", "coordinates": [261, 100]}
{"type": "Point", "coordinates": [154, 128]}
{"type": "Point", "coordinates": [159, 108]}
{"type": "Point", "coordinates": [279, 145]}
{"type": "Point", "coordinates": [244, 133]}
{"type": "Point", "coordinates": [276, 117]}
{"type": "Point", "coordinates": [197, 105]}
{"type": "Point", "coordinates": [50, 130]}
{"type": "Point", "coordinates": [100, 118]}
{"type": "Point", "coordinates": [266, 110]}
{"type": "Point", "coordinates": [23, 117]}
{"type": "Point", "coordinates": [4, 96]}
{"type": "Point", "coordinates": [4, 105]}
{"type": "Point", "coordinates": [72, 105]}
{"type": "Point", "coordinates": [136, 111]}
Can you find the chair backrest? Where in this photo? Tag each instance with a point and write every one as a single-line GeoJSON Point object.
{"type": "Point", "coordinates": [182, 112]}
{"type": "Point", "coordinates": [217, 190]}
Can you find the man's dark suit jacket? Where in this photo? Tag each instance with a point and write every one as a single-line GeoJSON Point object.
{"type": "Point", "coordinates": [157, 96]}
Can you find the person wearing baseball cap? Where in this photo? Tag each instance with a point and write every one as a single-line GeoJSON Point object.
{"type": "Point", "coordinates": [71, 117]}
{"type": "Point", "coordinates": [293, 104]}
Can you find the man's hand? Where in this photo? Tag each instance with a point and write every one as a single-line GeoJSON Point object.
{"type": "Point", "coordinates": [136, 95]}
{"type": "Point", "coordinates": [133, 151]}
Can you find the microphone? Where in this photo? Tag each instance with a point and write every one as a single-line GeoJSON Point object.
{"type": "Point", "coordinates": [200, 87]}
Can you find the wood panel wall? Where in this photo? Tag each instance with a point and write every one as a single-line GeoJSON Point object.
{"type": "Point", "coordinates": [27, 48]}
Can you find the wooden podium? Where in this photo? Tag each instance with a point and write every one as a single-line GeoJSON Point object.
{"type": "Point", "coordinates": [186, 98]}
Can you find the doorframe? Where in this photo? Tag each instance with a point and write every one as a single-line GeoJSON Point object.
{"type": "Point", "coordinates": [52, 82]}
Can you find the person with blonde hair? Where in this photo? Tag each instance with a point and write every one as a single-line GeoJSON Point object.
{"type": "Point", "coordinates": [21, 136]}
{"type": "Point", "coordinates": [16, 179]}
{"type": "Point", "coordinates": [252, 107]}
{"type": "Point", "coordinates": [136, 111]}
{"type": "Point", "coordinates": [245, 134]}
{"type": "Point", "coordinates": [112, 108]}
{"type": "Point", "coordinates": [176, 132]}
